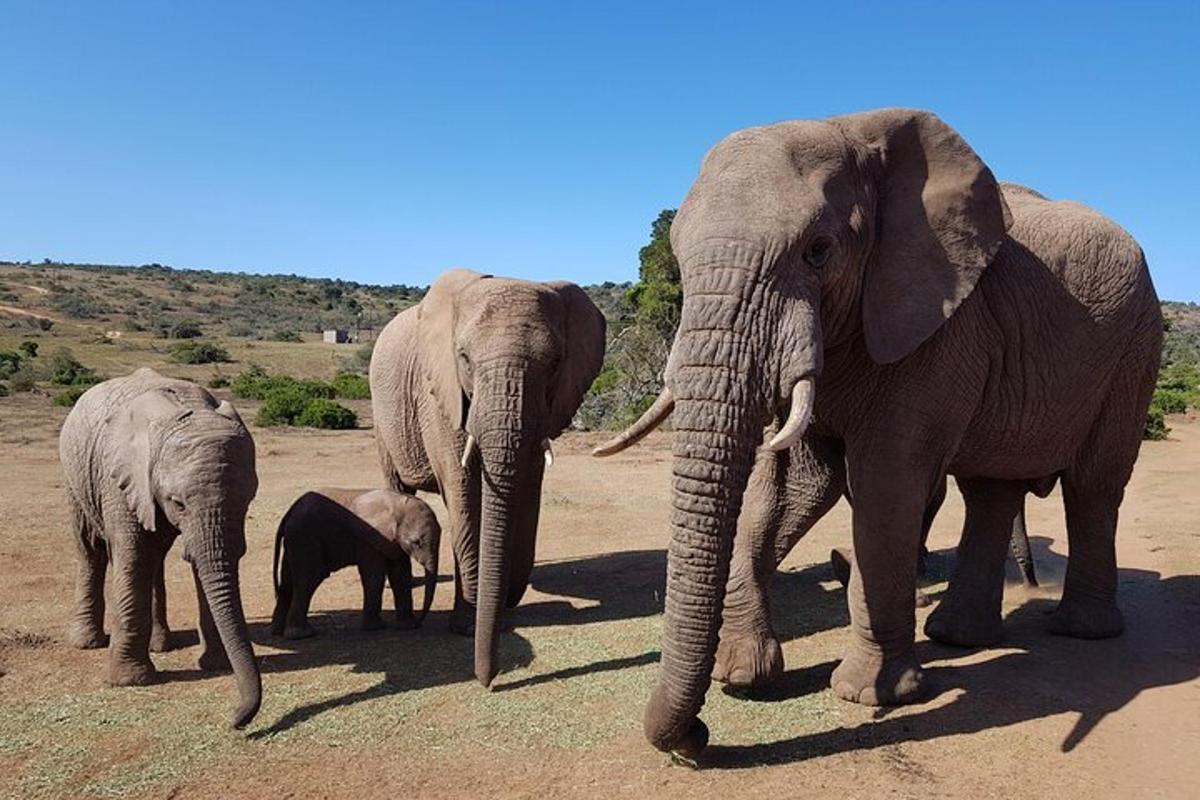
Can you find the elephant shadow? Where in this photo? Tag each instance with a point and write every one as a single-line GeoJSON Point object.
{"type": "Point", "coordinates": [1045, 676]}
{"type": "Point", "coordinates": [405, 660]}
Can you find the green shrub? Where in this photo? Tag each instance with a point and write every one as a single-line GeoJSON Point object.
{"type": "Point", "coordinates": [1156, 426]}
{"type": "Point", "coordinates": [218, 382]}
{"type": "Point", "coordinates": [349, 386]}
{"type": "Point", "coordinates": [257, 384]}
{"type": "Point", "coordinates": [282, 406]}
{"type": "Point", "coordinates": [23, 380]}
{"type": "Point", "coordinates": [193, 352]}
{"type": "Point", "coordinates": [65, 370]}
{"type": "Point", "coordinates": [322, 413]}
{"type": "Point", "coordinates": [10, 362]}
{"type": "Point", "coordinates": [69, 397]}
{"type": "Point", "coordinates": [1171, 401]}
{"type": "Point", "coordinates": [185, 329]}
{"type": "Point", "coordinates": [286, 336]}
{"type": "Point", "coordinates": [29, 349]}
{"type": "Point", "coordinates": [3, 390]}
{"type": "Point", "coordinates": [240, 329]}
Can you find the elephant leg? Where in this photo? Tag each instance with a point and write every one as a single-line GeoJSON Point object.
{"type": "Point", "coordinates": [970, 613]}
{"type": "Point", "coordinates": [212, 652]}
{"type": "Point", "coordinates": [303, 588]}
{"type": "Point", "coordinates": [462, 508]}
{"type": "Point", "coordinates": [372, 571]}
{"type": "Point", "coordinates": [399, 576]}
{"type": "Point", "coordinates": [786, 495]}
{"type": "Point", "coordinates": [931, 511]}
{"type": "Point", "coordinates": [283, 598]}
{"type": "Point", "coordinates": [133, 578]}
{"type": "Point", "coordinates": [880, 666]}
{"type": "Point", "coordinates": [86, 628]}
{"type": "Point", "coordinates": [161, 639]}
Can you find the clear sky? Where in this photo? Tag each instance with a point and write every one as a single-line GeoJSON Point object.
{"type": "Point", "coordinates": [384, 142]}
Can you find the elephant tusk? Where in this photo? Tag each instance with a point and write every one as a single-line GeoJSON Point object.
{"type": "Point", "coordinates": [548, 452]}
{"type": "Point", "coordinates": [468, 451]}
{"type": "Point", "coordinates": [798, 417]}
{"type": "Point", "coordinates": [654, 416]}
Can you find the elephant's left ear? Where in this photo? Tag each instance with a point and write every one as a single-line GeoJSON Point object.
{"type": "Point", "coordinates": [941, 220]}
{"type": "Point", "coordinates": [132, 431]}
{"type": "Point", "coordinates": [584, 330]}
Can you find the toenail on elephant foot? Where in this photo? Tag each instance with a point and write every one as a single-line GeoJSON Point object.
{"type": "Point", "coordinates": [748, 661]}
{"type": "Point", "coordinates": [870, 680]}
{"type": "Point", "coordinates": [1086, 619]}
{"type": "Point", "coordinates": [132, 674]}
{"type": "Point", "coordinates": [213, 661]}
{"type": "Point", "coordinates": [952, 626]}
{"type": "Point", "coordinates": [87, 638]}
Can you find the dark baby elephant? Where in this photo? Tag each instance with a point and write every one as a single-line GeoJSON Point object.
{"type": "Point", "coordinates": [377, 530]}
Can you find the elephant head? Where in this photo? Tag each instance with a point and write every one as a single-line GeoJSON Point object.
{"type": "Point", "coordinates": [192, 471]}
{"type": "Point", "coordinates": [795, 239]}
{"type": "Point", "coordinates": [411, 531]}
{"type": "Point", "coordinates": [508, 363]}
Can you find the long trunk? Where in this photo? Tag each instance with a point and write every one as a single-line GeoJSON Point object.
{"type": "Point", "coordinates": [431, 578]}
{"type": "Point", "coordinates": [718, 425]}
{"type": "Point", "coordinates": [219, 578]}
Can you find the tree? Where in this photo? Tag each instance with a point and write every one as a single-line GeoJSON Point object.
{"type": "Point", "coordinates": [658, 294]}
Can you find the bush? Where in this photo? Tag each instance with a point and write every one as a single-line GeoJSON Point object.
{"type": "Point", "coordinates": [29, 349]}
{"type": "Point", "coordinates": [69, 397]}
{"type": "Point", "coordinates": [65, 370]}
{"type": "Point", "coordinates": [286, 336]}
{"type": "Point", "coordinates": [10, 362]}
{"type": "Point", "coordinates": [322, 413]}
{"type": "Point", "coordinates": [185, 329]}
{"type": "Point", "coordinates": [193, 352]}
{"type": "Point", "coordinates": [256, 384]}
{"type": "Point", "coordinates": [218, 382]}
{"type": "Point", "coordinates": [1170, 401]}
{"type": "Point", "coordinates": [23, 380]}
{"type": "Point", "coordinates": [3, 390]}
{"type": "Point", "coordinates": [240, 329]}
{"type": "Point", "coordinates": [351, 387]}
{"type": "Point", "coordinates": [1156, 426]}
{"type": "Point", "coordinates": [282, 406]}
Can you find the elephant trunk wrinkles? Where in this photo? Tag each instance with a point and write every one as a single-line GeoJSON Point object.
{"type": "Point", "coordinates": [217, 565]}
{"type": "Point", "coordinates": [718, 422]}
{"type": "Point", "coordinates": [505, 445]}
{"type": "Point", "coordinates": [431, 578]}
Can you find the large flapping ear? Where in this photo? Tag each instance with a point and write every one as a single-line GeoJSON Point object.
{"type": "Point", "coordinates": [134, 430]}
{"type": "Point", "coordinates": [941, 219]}
{"type": "Point", "coordinates": [437, 314]}
{"type": "Point", "coordinates": [583, 354]}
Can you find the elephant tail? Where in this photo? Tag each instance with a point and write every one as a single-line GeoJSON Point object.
{"type": "Point", "coordinates": [276, 561]}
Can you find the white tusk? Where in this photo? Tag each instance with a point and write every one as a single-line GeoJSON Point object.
{"type": "Point", "coordinates": [548, 452]}
{"type": "Point", "coordinates": [468, 451]}
{"type": "Point", "coordinates": [798, 417]}
{"type": "Point", "coordinates": [651, 419]}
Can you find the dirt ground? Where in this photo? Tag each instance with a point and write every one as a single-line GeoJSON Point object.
{"type": "Point", "coordinates": [352, 714]}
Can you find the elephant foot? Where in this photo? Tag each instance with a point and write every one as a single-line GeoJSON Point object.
{"type": "Point", "coordinates": [372, 624]}
{"type": "Point", "coordinates": [1086, 619]}
{"type": "Point", "coordinates": [132, 673]}
{"type": "Point", "coordinates": [871, 680]}
{"type": "Point", "coordinates": [162, 640]}
{"type": "Point", "coordinates": [213, 661]}
{"type": "Point", "coordinates": [954, 624]}
{"type": "Point", "coordinates": [299, 632]}
{"type": "Point", "coordinates": [406, 622]}
{"type": "Point", "coordinates": [86, 637]}
{"type": "Point", "coordinates": [747, 661]}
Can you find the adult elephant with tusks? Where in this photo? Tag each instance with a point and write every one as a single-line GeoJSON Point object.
{"type": "Point", "coordinates": [468, 387]}
{"type": "Point", "coordinates": [864, 291]}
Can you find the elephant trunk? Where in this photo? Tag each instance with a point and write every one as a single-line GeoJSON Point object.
{"type": "Point", "coordinates": [718, 422]}
{"type": "Point", "coordinates": [217, 567]}
{"type": "Point", "coordinates": [431, 579]}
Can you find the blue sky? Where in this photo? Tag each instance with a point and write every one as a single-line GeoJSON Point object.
{"type": "Point", "coordinates": [384, 142]}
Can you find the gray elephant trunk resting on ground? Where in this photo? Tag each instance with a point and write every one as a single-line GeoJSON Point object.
{"type": "Point", "coordinates": [148, 458]}
{"type": "Point", "coordinates": [468, 388]}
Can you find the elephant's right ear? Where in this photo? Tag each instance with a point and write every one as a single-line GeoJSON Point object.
{"type": "Point", "coordinates": [436, 316]}
{"type": "Point", "coordinates": [132, 432]}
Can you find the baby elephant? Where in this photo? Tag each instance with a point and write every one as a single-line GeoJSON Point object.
{"type": "Point", "coordinates": [378, 530]}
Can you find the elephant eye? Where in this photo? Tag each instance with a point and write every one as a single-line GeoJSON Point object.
{"type": "Point", "coordinates": [465, 361]}
{"type": "Point", "coordinates": [818, 251]}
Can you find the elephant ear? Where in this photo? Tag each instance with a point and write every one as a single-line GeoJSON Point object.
{"type": "Point", "coordinates": [436, 317]}
{"type": "Point", "coordinates": [583, 354]}
{"type": "Point", "coordinates": [134, 429]}
{"type": "Point", "coordinates": [941, 220]}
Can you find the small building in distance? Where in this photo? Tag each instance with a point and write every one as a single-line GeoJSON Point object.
{"type": "Point", "coordinates": [336, 336]}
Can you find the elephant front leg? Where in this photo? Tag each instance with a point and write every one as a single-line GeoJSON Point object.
{"type": "Point", "coordinates": [129, 647]}
{"type": "Point", "coordinates": [372, 571]}
{"type": "Point", "coordinates": [970, 613]}
{"type": "Point", "coordinates": [212, 652]}
{"type": "Point", "coordinates": [880, 666]}
{"type": "Point", "coordinates": [787, 493]}
{"type": "Point", "coordinates": [400, 579]}
{"type": "Point", "coordinates": [86, 628]}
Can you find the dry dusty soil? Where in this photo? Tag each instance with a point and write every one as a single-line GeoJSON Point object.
{"type": "Point", "coordinates": [352, 714]}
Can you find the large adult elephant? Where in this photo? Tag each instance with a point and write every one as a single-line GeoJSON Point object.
{"type": "Point", "coordinates": [468, 387]}
{"type": "Point", "coordinates": [146, 459]}
{"type": "Point", "coordinates": [867, 274]}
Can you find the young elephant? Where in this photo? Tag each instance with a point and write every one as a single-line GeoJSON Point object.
{"type": "Point", "coordinates": [146, 459]}
{"type": "Point", "coordinates": [377, 530]}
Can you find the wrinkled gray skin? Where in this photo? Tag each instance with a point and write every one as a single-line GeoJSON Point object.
{"type": "Point", "coordinates": [505, 363]}
{"type": "Point", "coordinates": [939, 324]}
{"type": "Point", "coordinates": [376, 530]}
{"type": "Point", "coordinates": [146, 459]}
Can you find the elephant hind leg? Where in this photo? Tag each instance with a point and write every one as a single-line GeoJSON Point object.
{"type": "Point", "coordinates": [86, 627]}
{"type": "Point", "coordinates": [970, 614]}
